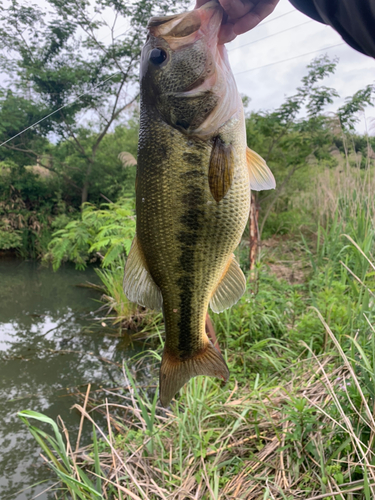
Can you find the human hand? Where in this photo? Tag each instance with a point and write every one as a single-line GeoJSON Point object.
{"type": "Point", "coordinates": [243, 15]}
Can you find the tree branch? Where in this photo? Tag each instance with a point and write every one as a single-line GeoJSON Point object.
{"type": "Point", "coordinates": [114, 115]}
{"type": "Point", "coordinates": [61, 174]}
{"type": "Point", "coordinates": [80, 147]}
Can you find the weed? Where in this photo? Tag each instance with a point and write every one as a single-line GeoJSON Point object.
{"type": "Point", "coordinates": [296, 418]}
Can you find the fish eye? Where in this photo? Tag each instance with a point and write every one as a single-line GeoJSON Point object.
{"type": "Point", "coordinates": [157, 56]}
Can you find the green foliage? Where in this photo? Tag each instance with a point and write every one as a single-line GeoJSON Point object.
{"type": "Point", "coordinates": [29, 202]}
{"type": "Point", "coordinates": [35, 200]}
{"type": "Point", "coordinates": [18, 113]}
{"type": "Point", "coordinates": [108, 178]}
{"type": "Point", "coordinates": [9, 238]}
{"type": "Point", "coordinates": [286, 220]}
{"type": "Point", "coordinates": [57, 54]}
{"type": "Point", "coordinates": [293, 147]}
{"type": "Point", "coordinates": [301, 393]}
{"type": "Point", "coordinates": [80, 486]}
{"type": "Point", "coordinates": [112, 278]}
{"type": "Point", "coordinates": [106, 232]}
{"type": "Point", "coordinates": [353, 105]}
{"type": "Point", "coordinates": [303, 418]}
{"type": "Point", "coordinates": [315, 98]}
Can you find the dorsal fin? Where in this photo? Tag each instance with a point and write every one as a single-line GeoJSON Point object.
{"type": "Point", "coordinates": [231, 287]}
{"type": "Point", "coordinates": [261, 177]}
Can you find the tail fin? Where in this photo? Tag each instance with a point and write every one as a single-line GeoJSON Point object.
{"type": "Point", "coordinates": [174, 373]}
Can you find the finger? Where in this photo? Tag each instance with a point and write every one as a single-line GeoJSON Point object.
{"type": "Point", "coordinates": [234, 8]}
{"type": "Point", "coordinates": [259, 12]}
{"type": "Point", "coordinates": [226, 34]}
{"type": "Point", "coordinates": [237, 8]}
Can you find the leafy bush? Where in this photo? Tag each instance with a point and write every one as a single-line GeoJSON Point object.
{"type": "Point", "coordinates": [104, 233]}
{"type": "Point", "coordinates": [29, 202]}
{"type": "Point", "coordinates": [9, 238]}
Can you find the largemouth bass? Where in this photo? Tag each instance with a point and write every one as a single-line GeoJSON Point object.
{"type": "Point", "coordinates": [194, 174]}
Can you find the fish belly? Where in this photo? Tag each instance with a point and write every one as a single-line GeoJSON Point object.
{"type": "Point", "coordinates": [186, 237]}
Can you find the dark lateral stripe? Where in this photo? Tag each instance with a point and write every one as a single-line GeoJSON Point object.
{"type": "Point", "coordinates": [191, 220]}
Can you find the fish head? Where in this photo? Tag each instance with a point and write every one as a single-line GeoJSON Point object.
{"type": "Point", "coordinates": [185, 73]}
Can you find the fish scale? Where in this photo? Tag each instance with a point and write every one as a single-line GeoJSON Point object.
{"type": "Point", "coordinates": [186, 237]}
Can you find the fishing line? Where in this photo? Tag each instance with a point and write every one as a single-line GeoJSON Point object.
{"type": "Point", "coordinates": [291, 58]}
{"type": "Point", "coordinates": [273, 34]}
{"type": "Point", "coordinates": [57, 110]}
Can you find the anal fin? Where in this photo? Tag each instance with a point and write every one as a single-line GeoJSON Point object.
{"type": "Point", "coordinates": [231, 287]}
{"type": "Point", "coordinates": [139, 286]}
{"type": "Point", "coordinates": [174, 373]}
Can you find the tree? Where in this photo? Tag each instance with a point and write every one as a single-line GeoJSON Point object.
{"type": "Point", "coordinates": [287, 143]}
{"type": "Point", "coordinates": [18, 113]}
{"type": "Point", "coordinates": [348, 112]}
{"type": "Point", "coordinates": [60, 62]}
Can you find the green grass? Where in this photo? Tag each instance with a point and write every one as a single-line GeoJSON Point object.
{"type": "Point", "coordinates": [296, 419]}
{"type": "Point", "coordinates": [299, 434]}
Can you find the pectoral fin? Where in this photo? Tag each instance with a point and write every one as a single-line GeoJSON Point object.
{"type": "Point", "coordinates": [230, 288]}
{"type": "Point", "coordinates": [261, 177]}
{"type": "Point", "coordinates": [221, 169]}
{"type": "Point", "coordinates": [139, 286]}
{"type": "Point", "coordinates": [174, 373]}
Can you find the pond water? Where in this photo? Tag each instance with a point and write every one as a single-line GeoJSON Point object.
{"type": "Point", "coordinates": [50, 344]}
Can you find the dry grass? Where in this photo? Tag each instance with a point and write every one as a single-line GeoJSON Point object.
{"type": "Point", "coordinates": [342, 190]}
{"type": "Point", "coordinates": [307, 433]}
{"type": "Point", "coordinates": [257, 429]}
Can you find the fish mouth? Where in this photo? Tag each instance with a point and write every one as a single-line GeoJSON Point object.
{"type": "Point", "coordinates": [181, 29]}
{"type": "Point", "coordinates": [203, 84]}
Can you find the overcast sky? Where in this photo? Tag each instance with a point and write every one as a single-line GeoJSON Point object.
{"type": "Point", "coordinates": [261, 74]}
{"type": "Point", "coordinates": [270, 60]}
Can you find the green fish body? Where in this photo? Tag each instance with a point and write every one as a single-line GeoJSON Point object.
{"type": "Point", "coordinates": [192, 193]}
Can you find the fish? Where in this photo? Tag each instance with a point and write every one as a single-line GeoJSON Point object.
{"type": "Point", "coordinates": [194, 172]}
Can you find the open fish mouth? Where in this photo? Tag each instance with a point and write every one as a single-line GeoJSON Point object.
{"type": "Point", "coordinates": [181, 29]}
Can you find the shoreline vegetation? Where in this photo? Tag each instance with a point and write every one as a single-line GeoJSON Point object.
{"type": "Point", "coordinates": [296, 419]}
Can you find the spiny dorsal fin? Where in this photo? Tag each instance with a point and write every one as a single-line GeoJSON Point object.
{"type": "Point", "coordinates": [174, 373]}
{"type": "Point", "coordinates": [139, 286]}
{"type": "Point", "coordinates": [230, 288]}
{"type": "Point", "coordinates": [221, 169]}
{"type": "Point", "coordinates": [261, 177]}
